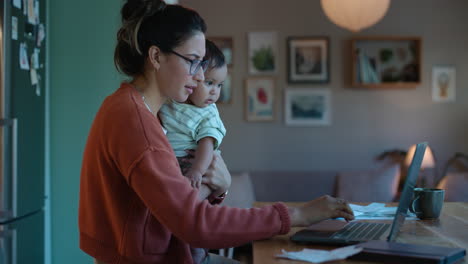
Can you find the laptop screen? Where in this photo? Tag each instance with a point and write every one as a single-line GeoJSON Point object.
{"type": "Point", "coordinates": [407, 193]}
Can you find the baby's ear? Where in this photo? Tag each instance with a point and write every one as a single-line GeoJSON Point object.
{"type": "Point", "coordinates": [154, 56]}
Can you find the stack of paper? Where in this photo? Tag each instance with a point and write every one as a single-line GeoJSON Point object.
{"type": "Point", "coordinates": [377, 211]}
{"type": "Point", "coordinates": [319, 256]}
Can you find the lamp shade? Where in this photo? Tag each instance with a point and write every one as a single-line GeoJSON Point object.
{"type": "Point", "coordinates": [355, 15]}
{"type": "Point", "coordinates": [428, 160]}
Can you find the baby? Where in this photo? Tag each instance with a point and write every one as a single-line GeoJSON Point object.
{"type": "Point", "coordinates": [196, 124]}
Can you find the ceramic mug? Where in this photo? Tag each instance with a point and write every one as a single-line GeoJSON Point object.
{"type": "Point", "coordinates": [427, 203]}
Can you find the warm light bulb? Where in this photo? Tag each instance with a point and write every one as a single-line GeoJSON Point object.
{"type": "Point", "coordinates": [428, 160]}
{"type": "Point", "coordinates": [355, 15]}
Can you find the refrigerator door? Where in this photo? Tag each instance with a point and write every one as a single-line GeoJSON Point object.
{"type": "Point", "coordinates": [8, 181]}
{"type": "Point", "coordinates": [23, 140]}
{"type": "Point", "coordinates": [6, 243]}
{"type": "Point", "coordinates": [22, 137]}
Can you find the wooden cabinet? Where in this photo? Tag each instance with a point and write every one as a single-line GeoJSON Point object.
{"type": "Point", "coordinates": [386, 62]}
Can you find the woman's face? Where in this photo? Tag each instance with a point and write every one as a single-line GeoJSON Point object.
{"type": "Point", "coordinates": [174, 78]}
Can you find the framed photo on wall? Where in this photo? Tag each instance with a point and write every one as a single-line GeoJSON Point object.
{"type": "Point", "coordinates": [259, 99]}
{"type": "Point", "coordinates": [225, 95]}
{"type": "Point", "coordinates": [225, 44]}
{"type": "Point", "coordinates": [263, 52]}
{"type": "Point", "coordinates": [307, 107]}
{"type": "Point", "coordinates": [308, 60]}
{"type": "Point", "coordinates": [443, 83]}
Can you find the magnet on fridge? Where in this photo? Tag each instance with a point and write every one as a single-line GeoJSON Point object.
{"type": "Point", "coordinates": [17, 4]}
{"type": "Point", "coordinates": [40, 35]}
{"type": "Point", "coordinates": [25, 7]}
{"type": "Point", "coordinates": [38, 85]}
{"type": "Point", "coordinates": [35, 58]}
{"type": "Point", "coordinates": [23, 56]}
{"type": "Point", "coordinates": [31, 13]}
{"type": "Point", "coordinates": [33, 74]}
{"type": "Point", "coordinates": [36, 12]}
{"type": "Point", "coordinates": [14, 28]}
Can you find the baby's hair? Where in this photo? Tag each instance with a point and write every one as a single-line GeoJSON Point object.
{"type": "Point", "coordinates": [152, 22]}
{"type": "Point", "coordinates": [213, 55]}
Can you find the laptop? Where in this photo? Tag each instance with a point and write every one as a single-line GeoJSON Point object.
{"type": "Point", "coordinates": [357, 232]}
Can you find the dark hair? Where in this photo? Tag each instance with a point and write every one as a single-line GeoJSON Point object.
{"type": "Point", "coordinates": [214, 55]}
{"type": "Point", "coordinates": [152, 22]}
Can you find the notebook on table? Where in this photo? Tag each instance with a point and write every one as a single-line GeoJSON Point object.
{"type": "Point", "coordinates": [358, 232]}
{"type": "Point", "coordinates": [402, 253]}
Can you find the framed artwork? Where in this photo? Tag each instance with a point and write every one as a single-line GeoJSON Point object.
{"type": "Point", "coordinates": [225, 44]}
{"type": "Point", "coordinates": [263, 52]}
{"type": "Point", "coordinates": [308, 60]}
{"type": "Point", "coordinates": [225, 95]}
{"type": "Point", "coordinates": [259, 99]}
{"type": "Point", "coordinates": [307, 107]}
{"type": "Point", "coordinates": [443, 83]}
{"type": "Point", "coordinates": [391, 62]}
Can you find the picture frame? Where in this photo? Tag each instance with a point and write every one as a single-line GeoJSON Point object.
{"type": "Point", "coordinates": [225, 96]}
{"type": "Point", "coordinates": [307, 107]}
{"type": "Point", "coordinates": [308, 59]}
{"type": "Point", "coordinates": [386, 62]}
{"type": "Point", "coordinates": [259, 99]}
{"type": "Point", "coordinates": [262, 53]}
{"type": "Point", "coordinates": [226, 45]}
{"type": "Point", "coordinates": [443, 83]}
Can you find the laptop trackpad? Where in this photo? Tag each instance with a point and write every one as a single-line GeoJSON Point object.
{"type": "Point", "coordinates": [328, 226]}
{"type": "Point", "coordinates": [321, 233]}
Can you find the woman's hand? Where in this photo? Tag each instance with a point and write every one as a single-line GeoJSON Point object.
{"type": "Point", "coordinates": [217, 176]}
{"type": "Point", "coordinates": [322, 208]}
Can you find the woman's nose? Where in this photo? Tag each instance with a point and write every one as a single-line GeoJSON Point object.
{"type": "Point", "coordinates": [199, 76]}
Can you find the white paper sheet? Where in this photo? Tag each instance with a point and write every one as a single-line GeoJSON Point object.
{"type": "Point", "coordinates": [377, 211]}
{"type": "Point", "coordinates": [319, 256]}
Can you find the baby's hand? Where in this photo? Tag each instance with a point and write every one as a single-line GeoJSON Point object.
{"type": "Point", "coordinates": [195, 178]}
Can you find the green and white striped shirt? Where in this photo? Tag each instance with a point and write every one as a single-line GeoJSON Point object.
{"type": "Point", "coordinates": [186, 124]}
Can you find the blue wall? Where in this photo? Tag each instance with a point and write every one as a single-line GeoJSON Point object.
{"type": "Point", "coordinates": [82, 37]}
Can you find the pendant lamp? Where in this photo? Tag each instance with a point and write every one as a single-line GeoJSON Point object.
{"type": "Point", "coordinates": [355, 15]}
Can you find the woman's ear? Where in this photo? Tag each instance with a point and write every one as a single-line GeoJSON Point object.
{"type": "Point", "coordinates": [154, 56]}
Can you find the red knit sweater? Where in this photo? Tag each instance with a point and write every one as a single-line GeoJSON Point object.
{"type": "Point", "coordinates": [135, 205]}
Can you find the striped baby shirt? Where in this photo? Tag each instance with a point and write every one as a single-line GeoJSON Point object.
{"type": "Point", "coordinates": [186, 124]}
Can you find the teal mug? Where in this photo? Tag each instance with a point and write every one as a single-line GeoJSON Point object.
{"type": "Point", "coordinates": [427, 203]}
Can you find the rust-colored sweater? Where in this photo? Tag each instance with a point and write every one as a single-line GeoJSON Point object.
{"type": "Point", "coordinates": [135, 205]}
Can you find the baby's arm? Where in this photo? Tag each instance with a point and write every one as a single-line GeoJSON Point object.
{"type": "Point", "coordinates": [203, 157]}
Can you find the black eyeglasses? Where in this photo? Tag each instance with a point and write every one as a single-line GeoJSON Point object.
{"type": "Point", "coordinates": [195, 65]}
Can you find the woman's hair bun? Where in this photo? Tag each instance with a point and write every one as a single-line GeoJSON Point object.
{"type": "Point", "coordinates": [141, 8]}
{"type": "Point", "coordinates": [134, 12]}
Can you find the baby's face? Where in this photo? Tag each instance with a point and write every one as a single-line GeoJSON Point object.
{"type": "Point", "coordinates": [207, 92]}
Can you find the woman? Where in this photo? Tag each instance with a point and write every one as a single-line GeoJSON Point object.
{"type": "Point", "coordinates": [135, 205]}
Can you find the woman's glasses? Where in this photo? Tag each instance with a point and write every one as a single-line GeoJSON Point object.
{"type": "Point", "coordinates": [195, 65]}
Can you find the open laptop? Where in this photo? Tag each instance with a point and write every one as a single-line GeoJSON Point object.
{"type": "Point", "coordinates": [357, 232]}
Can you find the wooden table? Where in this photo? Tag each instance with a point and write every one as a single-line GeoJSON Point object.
{"type": "Point", "coordinates": [450, 230]}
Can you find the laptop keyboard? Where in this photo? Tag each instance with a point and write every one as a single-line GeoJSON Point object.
{"type": "Point", "coordinates": [361, 231]}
